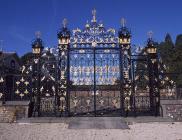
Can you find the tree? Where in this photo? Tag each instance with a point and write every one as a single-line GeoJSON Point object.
{"type": "Point", "coordinates": [168, 39]}
{"type": "Point", "coordinates": [171, 56]}
{"type": "Point", "coordinates": [178, 43]}
{"type": "Point", "coordinates": [166, 52]}
{"type": "Point", "coordinates": [177, 63]}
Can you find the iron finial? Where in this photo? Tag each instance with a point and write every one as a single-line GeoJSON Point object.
{"type": "Point", "coordinates": [150, 34]}
{"type": "Point", "coordinates": [1, 45]}
{"type": "Point", "coordinates": [94, 15]}
{"type": "Point", "coordinates": [65, 22]}
{"type": "Point", "coordinates": [38, 34]}
{"type": "Point", "coordinates": [123, 22]}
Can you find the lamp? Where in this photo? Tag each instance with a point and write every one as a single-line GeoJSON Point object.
{"type": "Point", "coordinates": [37, 45]}
{"type": "Point", "coordinates": [151, 49]}
{"type": "Point", "coordinates": [63, 35]}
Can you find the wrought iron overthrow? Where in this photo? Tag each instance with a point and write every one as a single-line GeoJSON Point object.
{"type": "Point", "coordinates": [94, 35]}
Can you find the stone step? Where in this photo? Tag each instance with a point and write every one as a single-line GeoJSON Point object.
{"type": "Point", "coordinates": [129, 120]}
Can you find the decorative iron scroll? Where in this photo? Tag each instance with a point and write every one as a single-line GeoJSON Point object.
{"type": "Point", "coordinates": [140, 80]}
{"type": "Point", "coordinates": [126, 63]}
{"type": "Point", "coordinates": [23, 83]}
{"type": "Point", "coordinates": [62, 88]}
{"type": "Point", "coordinates": [48, 76]}
{"type": "Point", "coordinates": [48, 83]}
{"type": "Point", "coordinates": [81, 67]}
{"type": "Point", "coordinates": [64, 44]}
{"type": "Point", "coordinates": [107, 66]}
{"type": "Point", "coordinates": [23, 87]}
{"type": "Point", "coordinates": [94, 35]}
{"type": "Point", "coordinates": [47, 105]}
{"type": "Point", "coordinates": [36, 71]}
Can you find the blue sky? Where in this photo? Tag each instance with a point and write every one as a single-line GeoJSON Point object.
{"type": "Point", "coordinates": [19, 19]}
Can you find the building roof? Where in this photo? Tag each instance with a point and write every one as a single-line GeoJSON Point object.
{"type": "Point", "coordinates": [5, 55]}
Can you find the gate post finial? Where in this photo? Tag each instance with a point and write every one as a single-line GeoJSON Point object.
{"type": "Point", "coordinates": [94, 15]}
{"type": "Point", "coordinates": [1, 45]}
{"type": "Point", "coordinates": [123, 22]}
{"type": "Point", "coordinates": [150, 34]}
{"type": "Point", "coordinates": [65, 22]}
{"type": "Point", "coordinates": [38, 34]}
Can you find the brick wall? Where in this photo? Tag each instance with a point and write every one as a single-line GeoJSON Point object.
{"type": "Point", "coordinates": [13, 110]}
{"type": "Point", "coordinates": [172, 109]}
{"type": "Point", "coordinates": [7, 114]}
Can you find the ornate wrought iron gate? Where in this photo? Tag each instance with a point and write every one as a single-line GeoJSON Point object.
{"type": "Point", "coordinates": [95, 88]}
{"type": "Point", "coordinates": [48, 87]}
{"type": "Point", "coordinates": [141, 89]}
{"type": "Point", "coordinates": [91, 73]}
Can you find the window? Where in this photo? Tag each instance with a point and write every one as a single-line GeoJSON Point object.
{"type": "Point", "coordinates": [12, 64]}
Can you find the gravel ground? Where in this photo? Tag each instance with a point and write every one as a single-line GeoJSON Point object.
{"type": "Point", "coordinates": [60, 131]}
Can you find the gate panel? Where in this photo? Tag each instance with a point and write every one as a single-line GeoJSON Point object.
{"type": "Point", "coordinates": [141, 94]}
{"type": "Point", "coordinates": [107, 77]}
{"type": "Point", "coordinates": [48, 87]}
{"type": "Point", "coordinates": [95, 82]}
{"type": "Point", "coordinates": [81, 82]}
{"type": "Point", "coordinates": [22, 87]}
